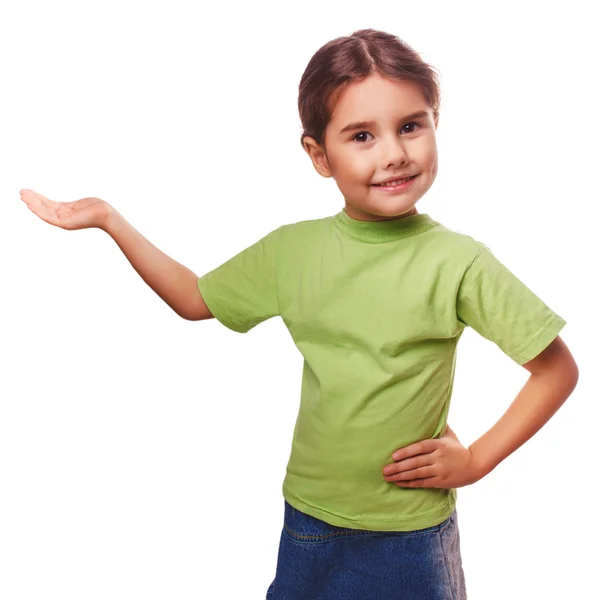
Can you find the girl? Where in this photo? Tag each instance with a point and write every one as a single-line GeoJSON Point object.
{"type": "Point", "coordinates": [376, 298]}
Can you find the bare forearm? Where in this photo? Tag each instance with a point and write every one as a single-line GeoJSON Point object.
{"type": "Point", "coordinates": [172, 281]}
{"type": "Point", "coordinates": [541, 396]}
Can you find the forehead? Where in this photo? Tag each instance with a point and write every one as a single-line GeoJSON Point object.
{"type": "Point", "coordinates": [377, 97]}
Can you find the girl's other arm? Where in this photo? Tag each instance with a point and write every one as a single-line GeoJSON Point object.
{"type": "Point", "coordinates": [554, 375]}
{"type": "Point", "coordinates": [173, 282]}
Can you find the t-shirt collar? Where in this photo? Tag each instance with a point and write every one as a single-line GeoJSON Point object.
{"type": "Point", "coordinates": [383, 231]}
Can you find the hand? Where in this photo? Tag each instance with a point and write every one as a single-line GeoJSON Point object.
{"type": "Point", "coordinates": [434, 463]}
{"type": "Point", "coordinates": [81, 214]}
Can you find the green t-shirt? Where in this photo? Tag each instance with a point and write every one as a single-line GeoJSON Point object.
{"type": "Point", "coordinates": [376, 309]}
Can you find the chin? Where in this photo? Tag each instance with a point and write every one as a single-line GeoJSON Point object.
{"type": "Point", "coordinates": [383, 212]}
{"type": "Point", "coordinates": [391, 211]}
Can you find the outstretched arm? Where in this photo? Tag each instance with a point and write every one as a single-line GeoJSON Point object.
{"type": "Point", "coordinates": [173, 282]}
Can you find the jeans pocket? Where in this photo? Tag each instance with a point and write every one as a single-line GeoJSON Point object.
{"type": "Point", "coordinates": [305, 529]}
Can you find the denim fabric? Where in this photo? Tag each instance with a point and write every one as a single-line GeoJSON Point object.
{"type": "Point", "coordinates": [319, 561]}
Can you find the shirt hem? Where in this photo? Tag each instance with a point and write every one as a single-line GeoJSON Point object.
{"type": "Point", "coordinates": [213, 301]}
{"type": "Point", "coordinates": [398, 522]}
{"type": "Point", "coordinates": [540, 340]}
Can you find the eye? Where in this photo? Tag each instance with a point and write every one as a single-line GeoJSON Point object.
{"type": "Point", "coordinates": [367, 133]}
{"type": "Point", "coordinates": [360, 133]}
{"type": "Point", "coordinates": [411, 123]}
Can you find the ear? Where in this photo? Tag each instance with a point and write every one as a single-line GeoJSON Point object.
{"type": "Point", "coordinates": [318, 156]}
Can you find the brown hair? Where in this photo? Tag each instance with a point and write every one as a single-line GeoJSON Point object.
{"type": "Point", "coordinates": [350, 58]}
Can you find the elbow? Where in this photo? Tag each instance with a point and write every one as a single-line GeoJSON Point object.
{"type": "Point", "coordinates": [564, 375]}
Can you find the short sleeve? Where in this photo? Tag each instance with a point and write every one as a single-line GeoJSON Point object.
{"type": "Point", "coordinates": [242, 292]}
{"type": "Point", "coordinates": [502, 309]}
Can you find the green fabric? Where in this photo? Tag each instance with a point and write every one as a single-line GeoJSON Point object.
{"type": "Point", "coordinates": [376, 309]}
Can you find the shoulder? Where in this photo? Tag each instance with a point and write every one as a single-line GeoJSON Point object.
{"type": "Point", "coordinates": [457, 245]}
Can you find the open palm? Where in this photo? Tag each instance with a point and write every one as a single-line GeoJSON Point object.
{"type": "Point", "coordinates": [80, 214]}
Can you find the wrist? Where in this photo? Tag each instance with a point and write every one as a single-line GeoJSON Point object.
{"type": "Point", "coordinates": [109, 217]}
{"type": "Point", "coordinates": [481, 465]}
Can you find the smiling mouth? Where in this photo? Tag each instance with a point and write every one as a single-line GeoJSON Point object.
{"type": "Point", "coordinates": [389, 183]}
{"type": "Point", "coordinates": [398, 187]}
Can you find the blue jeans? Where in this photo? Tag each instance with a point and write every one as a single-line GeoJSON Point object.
{"type": "Point", "coordinates": [319, 561]}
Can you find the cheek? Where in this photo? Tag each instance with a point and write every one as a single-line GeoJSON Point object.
{"type": "Point", "coordinates": [362, 169]}
{"type": "Point", "coordinates": [353, 169]}
{"type": "Point", "coordinates": [432, 155]}
{"type": "Point", "coordinates": [354, 172]}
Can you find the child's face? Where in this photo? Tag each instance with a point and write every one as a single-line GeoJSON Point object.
{"type": "Point", "coordinates": [392, 145]}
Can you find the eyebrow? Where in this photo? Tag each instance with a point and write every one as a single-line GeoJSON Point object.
{"type": "Point", "coordinates": [360, 124]}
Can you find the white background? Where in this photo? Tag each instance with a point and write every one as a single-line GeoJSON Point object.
{"type": "Point", "coordinates": [142, 455]}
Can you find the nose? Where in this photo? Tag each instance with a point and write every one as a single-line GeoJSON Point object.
{"type": "Point", "coordinates": [393, 151]}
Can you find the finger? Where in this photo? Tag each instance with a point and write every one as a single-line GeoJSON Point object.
{"type": "Point", "coordinates": [419, 448]}
{"type": "Point", "coordinates": [33, 202]}
{"type": "Point", "coordinates": [38, 202]}
{"type": "Point", "coordinates": [419, 473]}
{"type": "Point", "coordinates": [46, 214]}
{"type": "Point", "coordinates": [408, 463]}
{"type": "Point", "coordinates": [42, 200]}
{"type": "Point", "coordinates": [30, 199]}
{"type": "Point", "coordinates": [43, 214]}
